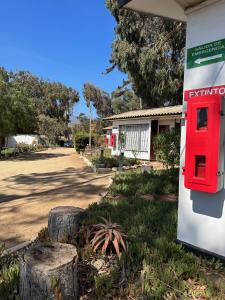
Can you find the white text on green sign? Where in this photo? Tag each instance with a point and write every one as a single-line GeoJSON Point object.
{"type": "Point", "coordinates": [206, 54]}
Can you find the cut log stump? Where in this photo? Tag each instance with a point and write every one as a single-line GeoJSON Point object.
{"type": "Point", "coordinates": [49, 271]}
{"type": "Point", "coordinates": [63, 223]}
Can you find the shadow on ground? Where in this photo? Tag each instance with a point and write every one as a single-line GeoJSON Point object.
{"type": "Point", "coordinates": [67, 182]}
{"type": "Point", "coordinates": [37, 156]}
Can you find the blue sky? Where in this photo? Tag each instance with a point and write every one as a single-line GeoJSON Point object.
{"type": "Point", "coordinates": [61, 40]}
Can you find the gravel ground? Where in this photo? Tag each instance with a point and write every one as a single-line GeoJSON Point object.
{"type": "Point", "coordinates": [33, 184]}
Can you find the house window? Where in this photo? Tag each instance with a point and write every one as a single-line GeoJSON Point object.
{"type": "Point", "coordinates": [136, 137]}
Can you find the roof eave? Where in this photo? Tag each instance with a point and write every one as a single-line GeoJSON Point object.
{"type": "Point", "coordinates": [152, 117]}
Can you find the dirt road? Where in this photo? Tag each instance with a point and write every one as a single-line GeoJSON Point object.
{"type": "Point", "coordinates": [33, 184]}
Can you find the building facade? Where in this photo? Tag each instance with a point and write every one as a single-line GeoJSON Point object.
{"type": "Point", "coordinates": [133, 132]}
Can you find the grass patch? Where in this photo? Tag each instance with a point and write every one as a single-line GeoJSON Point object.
{"type": "Point", "coordinates": [108, 160]}
{"type": "Point", "coordinates": [155, 266]}
{"type": "Point", "coordinates": [135, 182]}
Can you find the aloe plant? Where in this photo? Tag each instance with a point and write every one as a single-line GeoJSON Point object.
{"type": "Point", "coordinates": [107, 235]}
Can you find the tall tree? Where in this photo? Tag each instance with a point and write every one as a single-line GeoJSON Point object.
{"type": "Point", "coordinates": [125, 101]}
{"type": "Point", "coordinates": [24, 98]}
{"type": "Point", "coordinates": [18, 113]}
{"type": "Point", "coordinates": [101, 100]}
{"type": "Point", "coordinates": [151, 51]}
{"type": "Point", "coordinates": [6, 114]}
{"type": "Point", "coordinates": [51, 98]}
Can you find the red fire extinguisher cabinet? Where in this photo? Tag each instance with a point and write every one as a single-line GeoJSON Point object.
{"type": "Point", "coordinates": [204, 160]}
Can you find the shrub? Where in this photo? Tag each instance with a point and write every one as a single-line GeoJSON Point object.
{"type": "Point", "coordinates": [113, 161]}
{"type": "Point", "coordinates": [9, 275]}
{"type": "Point", "coordinates": [167, 148]}
{"type": "Point", "coordinates": [9, 152]}
{"type": "Point", "coordinates": [108, 235]}
{"type": "Point", "coordinates": [135, 182]}
{"type": "Point", "coordinates": [23, 147]}
{"type": "Point", "coordinates": [108, 162]}
{"type": "Point", "coordinates": [37, 147]}
{"type": "Point", "coordinates": [81, 140]}
{"type": "Point", "coordinates": [131, 162]}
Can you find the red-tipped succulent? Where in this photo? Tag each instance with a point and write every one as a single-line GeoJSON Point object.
{"type": "Point", "coordinates": [107, 235]}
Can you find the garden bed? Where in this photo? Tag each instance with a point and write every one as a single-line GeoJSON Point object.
{"type": "Point", "coordinates": [105, 162]}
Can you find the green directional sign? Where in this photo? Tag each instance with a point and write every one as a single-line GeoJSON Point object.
{"type": "Point", "coordinates": [206, 54]}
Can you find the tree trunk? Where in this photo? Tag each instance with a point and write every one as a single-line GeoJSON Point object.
{"type": "Point", "coordinates": [63, 223]}
{"type": "Point", "coordinates": [49, 271]}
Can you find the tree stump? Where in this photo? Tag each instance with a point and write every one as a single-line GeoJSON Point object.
{"type": "Point", "coordinates": [49, 271]}
{"type": "Point", "coordinates": [63, 223]}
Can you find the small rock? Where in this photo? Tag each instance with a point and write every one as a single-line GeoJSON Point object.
{"type": "Point", "coordinates": [114, 169]}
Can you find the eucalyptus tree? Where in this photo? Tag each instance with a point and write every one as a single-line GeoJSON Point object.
{"type": "Point", "coordinates": [151, 51]}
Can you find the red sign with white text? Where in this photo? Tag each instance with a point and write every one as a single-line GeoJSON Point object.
{"type": "Point", "coordinates": [215, 90]}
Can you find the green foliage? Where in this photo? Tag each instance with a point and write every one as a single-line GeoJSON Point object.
{"type": "Point", "coordinates": [136, 182]}
{"type": "Point", "coordinates": [9, 275]}
{"type": "Point", "coordinates": [154, 266]}
{"type": "Point", "coordinates": [23, 147]}
{"type": "Point", "coordinates": [9, 152]}
{"type": "Point", "coordinates": [17, 110]}
{"type": "Point", "coordinates": [110, 161]}
{"type": "Point", "coordinates": [100, 99]}
{"type": "Point", "coordinates": [20, 148]}
{"type": "Point", "coordinates": [167, 148]}
{"type": "Point", "coordinates": [81, 140]}
{"type": "Point", "coordinates": [28, 97]}
{"type": "Point", "coordinates": [50, 127]}
{"type": "Point", "coordinates": [125, 101]}
{"type": "Point", "coordinates": [151, 51]}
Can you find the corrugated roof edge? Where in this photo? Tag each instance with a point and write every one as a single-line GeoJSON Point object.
{"type": "Point", "coordinates": [161, 111]}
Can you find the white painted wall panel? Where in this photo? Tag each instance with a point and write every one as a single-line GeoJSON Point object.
{"type": "Point", "coordinates": [11, 141]}
{"type": "Point", "coordinates": [201, 216]}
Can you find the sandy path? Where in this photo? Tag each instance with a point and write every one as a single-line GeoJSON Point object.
{"type": "Point", "coordinates": [30, 186]}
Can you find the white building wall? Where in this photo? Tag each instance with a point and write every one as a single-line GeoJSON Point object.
{"type": "Point", "coordinates": [201, 216]}
{"type": "Point", "coordinates": [170, 123]}
{"type": "Point", "coordinates": [28, 139]}
{"type": "Point", "coordinates": [139, 155]}
{"type": "Point", "coordinates": [130, 154]}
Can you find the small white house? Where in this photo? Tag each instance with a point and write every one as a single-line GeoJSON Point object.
{"type": "Point", "coordinates": [139, 129]}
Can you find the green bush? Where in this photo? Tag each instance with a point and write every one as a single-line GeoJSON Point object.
{"type": "Point", "coordinates": [81, 140]}
{"type": "Point", "coordinates": [37, 147]}
{"type": "Point", "coordinates": [9, 152]}
{"type": "Point", "coordinates": [110, 161]}
{"type": "Point", "coordinates": [130, 161]}
{"type": "Point", "coordinates": [167, 148]}
{"type": "Point", "coordinates": [23, 147]}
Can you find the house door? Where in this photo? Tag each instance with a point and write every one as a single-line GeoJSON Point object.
{"type": "Point", "coordinates": [154, 132]}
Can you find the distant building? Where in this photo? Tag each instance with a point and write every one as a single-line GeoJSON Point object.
{"type": "Point", "coordinates": [137, 130]}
